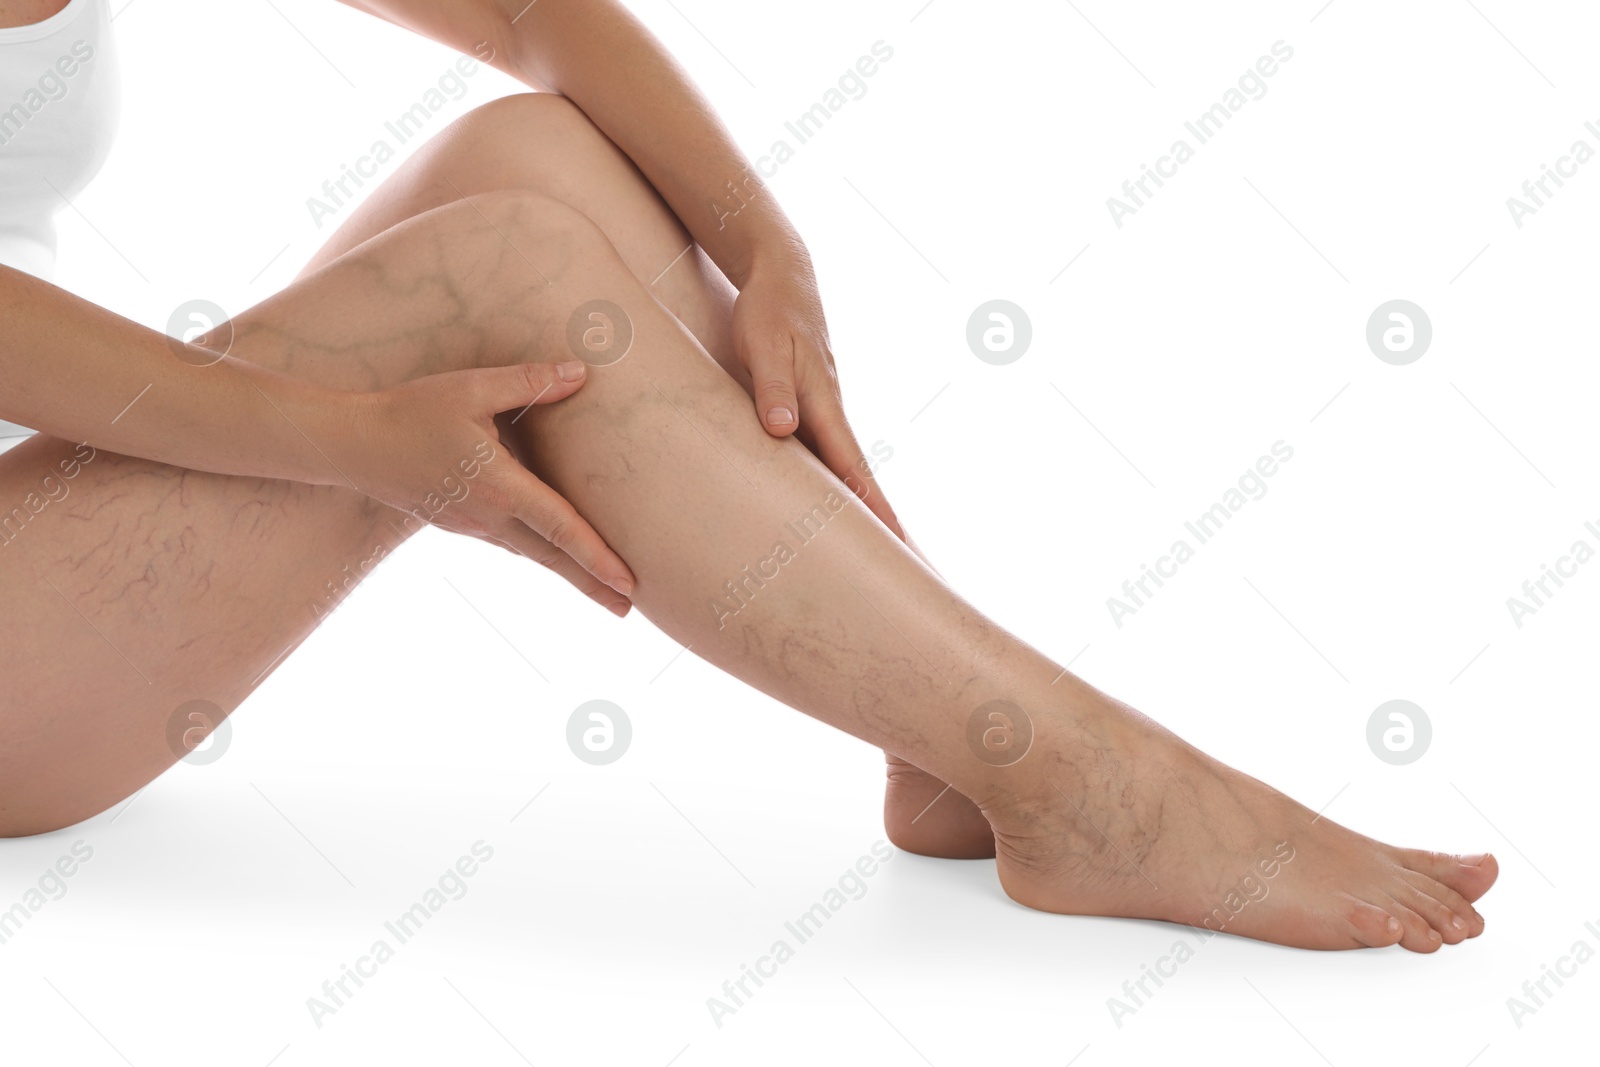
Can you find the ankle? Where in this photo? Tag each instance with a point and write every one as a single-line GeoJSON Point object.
{"type": "Point", "coordinates": [1083, 753]}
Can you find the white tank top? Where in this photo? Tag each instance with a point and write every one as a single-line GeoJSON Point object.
{"type": "Point", "coordinates": [59, 104]}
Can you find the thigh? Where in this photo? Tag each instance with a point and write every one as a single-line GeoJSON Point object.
{"type": "Point", "coordinates": [544, 143]}
{"type": "Point", "coordinates": [132, 589]}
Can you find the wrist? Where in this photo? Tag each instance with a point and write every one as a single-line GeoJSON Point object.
{"type": "Point", "coordinates": [314, 423]}
{"type": "Point", "coordinates": [785, 258]}
{"type": "Point", "coordinates": [775, 250]}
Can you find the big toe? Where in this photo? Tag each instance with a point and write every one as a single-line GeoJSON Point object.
{"type": "Point", "coordinates": [1471, 876]}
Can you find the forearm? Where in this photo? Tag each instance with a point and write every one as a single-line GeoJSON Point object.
{"type": "Point", "coordinates": [598, 55]}
{"type": "Point", "coordinates": [77, 371]}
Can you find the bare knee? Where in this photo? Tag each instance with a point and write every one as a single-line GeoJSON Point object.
{"type": "Point", "coordinates": [539, 141]}
{"type": "Point", "coordinates": [544, 143]}
{"type": "Point", "coordinates": [546, 122]}
{"type": "Point", "coordinates": [536, 234]}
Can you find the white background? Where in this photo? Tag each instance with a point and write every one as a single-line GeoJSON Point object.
{"type": "Point", "coordinates": [1227, 314]}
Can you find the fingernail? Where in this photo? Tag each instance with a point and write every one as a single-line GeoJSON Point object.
{"type": "Point", "coordinates": [779, 416]}
{"type": "Point", "coordinates": [570, 371]}
{"type": "Point", "coordinates": [1474, 861]}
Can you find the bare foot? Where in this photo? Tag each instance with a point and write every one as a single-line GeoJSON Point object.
{"type": "Point", "coordinates": [924, 815]}
{"type": "Point", "coordinates": [1120, 817]}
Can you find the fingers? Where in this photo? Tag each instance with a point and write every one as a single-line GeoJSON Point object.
{"type": "Point", "coordinates": [521, 385]}
{"type": "Point", "coordinates": [774, 369]}
{"type": "Point", "coordinates": [772, 377]}
{"type": "Point", "coordinates": [547, 513]}
{"type": "Point", "coordinates": [518, 539]}
{"type": "Point", "coordinates": [830, 437]}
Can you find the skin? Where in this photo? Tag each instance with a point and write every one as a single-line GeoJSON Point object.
{"type": "Point", "coordinates": [27, 12]}
{"type": "Point", "coordinates": [1106, 814]}
{"type": "Point", "coordinates": [255, 423]}
{"type": "Point", "coordinates": [150, 585]}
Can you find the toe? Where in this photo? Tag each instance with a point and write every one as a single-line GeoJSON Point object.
{"type": "Point", "coordinates": [1371, 925]}
{"type": "Point", "coordinates": [1458, 905]}
{"type": "Point", "coordinates": [1418, 934]}
{"type": "Point", "coordinates": [1451, 927]}
{"type": "Point", "coordinates": [1471, 876]}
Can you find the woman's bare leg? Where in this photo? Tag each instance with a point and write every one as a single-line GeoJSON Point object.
{"type": "Point", "coordinates": [544, 143]}
{"type": "Point", "coordinates": [139, 587]}
{"type": "Point", "coordinates": [747, 550]}
{"type": "Point", "coordinates": [744, 547]}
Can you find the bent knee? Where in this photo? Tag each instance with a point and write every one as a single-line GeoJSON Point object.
{"type": "Point", "coordinates": [530, 112]}
{"type": "Point", "coordinates": [540, 137]}
{"type": "Point", "coordinates": [537, 231]}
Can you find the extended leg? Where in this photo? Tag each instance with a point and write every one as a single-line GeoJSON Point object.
{"type": "Point", "coordinates": [748, 550]}
{"type": "Point", "coordinates": [544, 143]}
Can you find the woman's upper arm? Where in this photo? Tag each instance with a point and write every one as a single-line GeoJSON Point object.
{"type": "Point", "coordinates": [478, 28]}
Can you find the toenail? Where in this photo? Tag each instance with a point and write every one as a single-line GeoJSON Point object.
{"type": "Point", "coordinates": [1474, 861]}
{"type": "Point", "coordinates": [1394, 926]}
{"type": "Point", "coordinates": [1434, 935]}
{"type": "Point", "coordinates": [1456, 923]}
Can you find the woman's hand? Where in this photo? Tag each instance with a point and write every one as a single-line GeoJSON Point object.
{"type": "Point", "coordinates": [782, 340]}
{"type": "Point", "coordinates": [429, 447]}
